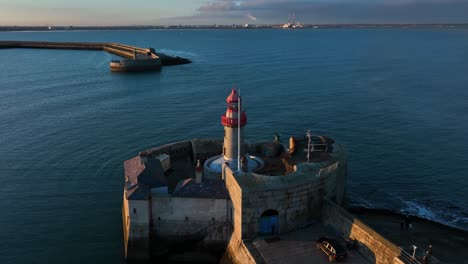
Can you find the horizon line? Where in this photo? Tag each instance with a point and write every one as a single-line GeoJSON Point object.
{"type": "Point", "coordinates": [234, 24]}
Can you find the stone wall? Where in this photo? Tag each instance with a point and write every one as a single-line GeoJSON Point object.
{"type": "Point", "coordinates": [295, 205]}
{"type": "Point", "coordinates": [237, 253]}
{"type": "Point", "coordinates": [136, 224]}
{"type": "Point", "coordinates": [179, 216]}
{"type": "Point", "coordinates": [235, 192]}
{"type": "Point", "coordinates": [297, 197]}
{"type": "Point", "coordinates": [209, 173]}
{"type": "Point", "coordinates": [125, 222]}
{"type": "Point", "coordinates": [205, 148]}
{"type": "Point", "coordinates": [298, 200]}
{"type": "Point", "coordinates": [372, 245]}
{"type": "Point", "coordinates": [341, 174]}
{"type": "Point", "coordinates": [181, 149]}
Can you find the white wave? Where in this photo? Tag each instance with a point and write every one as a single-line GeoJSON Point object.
{"type": "Point", "coordinates": [460, 220]}
{"type": "Point", "coordinates": [441, 215]}
{"type": "Point", "coordinates": [413, 208]}
{"type": "Point", "coordinates": [453, 218]}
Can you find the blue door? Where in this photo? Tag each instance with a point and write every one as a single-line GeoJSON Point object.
{"type": "Point", "coordinates": [269, 222]}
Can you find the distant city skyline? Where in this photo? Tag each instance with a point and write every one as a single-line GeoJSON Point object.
{"type": "Point", "coordinates": [205, 12]}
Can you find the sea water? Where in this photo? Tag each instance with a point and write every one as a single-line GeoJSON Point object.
{"type": "Point", "coordinates": [396, 98]}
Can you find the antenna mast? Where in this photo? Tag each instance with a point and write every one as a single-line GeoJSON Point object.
{"type": "Point", "coordinates": [239, 134]}
{"type": "Point", "coordinates": [308, 145]}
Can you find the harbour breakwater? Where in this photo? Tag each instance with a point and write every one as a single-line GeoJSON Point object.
{"type": "Point", "coordinates": [121, 50]}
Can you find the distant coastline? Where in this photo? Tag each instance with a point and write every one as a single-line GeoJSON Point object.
{"type": "Point", "coordinates": [312, 26]}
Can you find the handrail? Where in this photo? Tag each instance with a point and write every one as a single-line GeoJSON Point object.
{"type": "Point", "coordinates": [202, 231]}
{"type": "Point", "coordinates": [327, 170]}
{"type": "Point", "coordinates": [228, 121]}
{"type": "Point", "coordinates": [215, 224]}
{"type": "Point", "coordinates": [407, 257]}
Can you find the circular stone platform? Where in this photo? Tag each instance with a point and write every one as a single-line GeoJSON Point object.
{"type": "Point", "coordinates": [213, 166]}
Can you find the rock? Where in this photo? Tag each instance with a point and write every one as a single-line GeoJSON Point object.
{"type": "Point", "coordinates": [167, 60]}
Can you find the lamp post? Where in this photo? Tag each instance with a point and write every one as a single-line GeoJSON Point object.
{"type": "Point", "coordinates": [239, 134]}
{"type": "Point", "coordinates": [414, 251]}
{"type": "Point", "coordinates": [308, 145]}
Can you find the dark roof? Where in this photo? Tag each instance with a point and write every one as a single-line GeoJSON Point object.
{"type": "Point", "coordinates": [215, 189]}
{"type": "Point", "coordinates": [138, 192]}
{"type": "Point", "coordinates": [141, 177]}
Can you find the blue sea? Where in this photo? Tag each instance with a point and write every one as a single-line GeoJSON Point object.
{"type": "Point", "coordinates": [396, 98]}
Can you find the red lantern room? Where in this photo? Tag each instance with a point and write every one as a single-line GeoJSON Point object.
{"type": "Point", "coordinates": [230, 119]}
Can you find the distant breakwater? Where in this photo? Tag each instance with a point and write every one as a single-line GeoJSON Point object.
{"type": "Point", "coordinates": [121, 50]}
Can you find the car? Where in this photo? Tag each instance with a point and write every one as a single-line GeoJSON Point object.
{"type": "Point", "coordinates": [332, 248]}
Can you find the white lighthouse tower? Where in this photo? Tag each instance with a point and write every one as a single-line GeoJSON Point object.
{"type": "Point", "coordinates": [234, 148]}
{"type": "Point", "coordinates": [233, 121]}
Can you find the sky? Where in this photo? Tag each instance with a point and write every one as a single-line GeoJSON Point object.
{"type": "Point", "coordinates": [226, 12]}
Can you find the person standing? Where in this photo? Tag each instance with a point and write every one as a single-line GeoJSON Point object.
{"type": "Point", "coordinates": [424, 260]}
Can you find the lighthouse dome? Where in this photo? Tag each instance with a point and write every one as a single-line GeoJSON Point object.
{"type": "Point", "coordinates": [233, 97]}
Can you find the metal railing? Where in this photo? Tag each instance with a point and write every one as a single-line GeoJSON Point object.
{"type": "Point", "coordinates": [213, 226]}
{"type": "Point", "coordinates": [415, 257]}
{"type": "Point", "coordinates": [201, 230]}
{"type": "Point", "coordinates": [328, 170]}
{"type": "Point", "coordinates": [408, 258]}
{"type": "Point", "coordinates": [233, 121]}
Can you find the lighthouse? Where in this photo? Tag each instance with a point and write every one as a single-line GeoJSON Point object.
{"type": "Point", "coordinates": [233, 121]}
{"type": "Point", "coordinates": [234, 151]}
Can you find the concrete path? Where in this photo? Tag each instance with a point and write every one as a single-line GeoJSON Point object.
{"type": "Point", "coordinates": [300, 247]}
{"type": "Point", "coordinates": [299, 252]}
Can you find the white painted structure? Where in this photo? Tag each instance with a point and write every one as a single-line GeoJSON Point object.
{"type": "Point", "coordinates": [234, 147]}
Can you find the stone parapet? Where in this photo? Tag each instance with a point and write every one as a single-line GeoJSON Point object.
{"type": "Point", "coordinates": [371, 244]}
{"type": "Point", "coordinates": [237, 253]}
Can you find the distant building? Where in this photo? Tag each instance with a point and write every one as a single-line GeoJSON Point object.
{"type": "Point", "coordinates": [292, 24]}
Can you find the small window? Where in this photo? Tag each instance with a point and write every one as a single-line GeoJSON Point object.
{"type": "Point", "coordinates": [134, 210]}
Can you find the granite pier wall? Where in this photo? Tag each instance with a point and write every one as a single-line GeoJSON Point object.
{"type": "Point", "coordinates": [162, 217]}
{"type": "Point", "coordinates": [371, 244]}
{"type": "Point", "coordinates": [121, 50]}
{"type": "Point", "coordinates": [136, 222]}
{"type": "Point", "coordinates": [297, 197]}
{"type": "Point", "coordinates": [182, 216]}
{"type": "Point", "coordinates": [237, 252]}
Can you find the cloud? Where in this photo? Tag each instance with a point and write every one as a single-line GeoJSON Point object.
{"type": "Point", "coordinates": [339, 11]}
{"type": "Point", "coordinates": [240, 12]}
{"type": "Point", "coordinates": [76, 16]}
{"type": "Point", "coordinates": [220, 5]}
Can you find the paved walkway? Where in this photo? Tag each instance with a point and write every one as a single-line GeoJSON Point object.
{"type": "Point", "coordinates": [300, 247]}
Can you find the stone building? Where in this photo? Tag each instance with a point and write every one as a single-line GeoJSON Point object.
{"type": "Point", "coordinates": [170, 196]}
